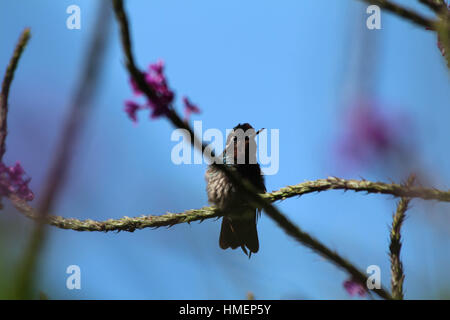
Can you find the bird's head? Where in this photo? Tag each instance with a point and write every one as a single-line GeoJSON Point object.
{"type": "Point", "coordinates": [241, 144]}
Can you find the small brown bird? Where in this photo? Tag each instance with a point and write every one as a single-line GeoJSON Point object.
{"type": "Point", "coordinates": [239, 220]}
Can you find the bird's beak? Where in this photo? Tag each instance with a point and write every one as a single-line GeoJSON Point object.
{"type": "Point", "coordinates": [258, 132]}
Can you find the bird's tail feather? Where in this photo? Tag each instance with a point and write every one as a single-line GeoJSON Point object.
{"type": "Point", "coordinates": [239, 233]}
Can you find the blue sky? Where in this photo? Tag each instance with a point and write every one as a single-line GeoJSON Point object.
{"type": "Point", "coordinates": [288, 66]}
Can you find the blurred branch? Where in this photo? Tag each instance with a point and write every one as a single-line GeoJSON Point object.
{"type": "Point", "coordinates": [7, 80]}
{"type": "Point", "coordinates": [397, 275]}
{"type": "Point", "coordinates": [80, 105]}
{"type": "Point", "coordinates": [155, 221]}
{"type": "Point", "coordinates": [405, 13]}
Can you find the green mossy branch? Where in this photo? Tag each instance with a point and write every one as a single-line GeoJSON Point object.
{"type": "Point", "coordinates": [169, 219]}
{"type": "Point", "coordinates": [359, 186]}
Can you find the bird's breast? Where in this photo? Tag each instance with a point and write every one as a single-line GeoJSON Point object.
{"type": "Point", "coordinates": [219, 188]}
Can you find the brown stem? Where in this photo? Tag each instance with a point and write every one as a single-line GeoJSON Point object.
{"type": "Point", "coordinates": [6, 84]}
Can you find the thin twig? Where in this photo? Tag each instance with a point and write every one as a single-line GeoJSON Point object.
{"type": "Point", "coordinates": [397, 275]}
{"type": "Point", "coordinates": [79, 108]}
{"type": "Point", "coordinates": [7, 80]}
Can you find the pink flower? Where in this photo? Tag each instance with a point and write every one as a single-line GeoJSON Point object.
{"type": "Point", "coordinates": [162, 98]}
{"type": "Point", "coordinates": [12, 182]}
{"type": "Point", "coordinates": [131, 109]}
{"type": "Point", "coordinates": [189, 108]}
{"type": "Point", "coordinates": [370, 133]}
{"type": "Point", "coordinates": [161, 102]}
{"type": "Point", "coordinates": [156, 79]}
{"type": "Point", "coordinates": [354, 288]}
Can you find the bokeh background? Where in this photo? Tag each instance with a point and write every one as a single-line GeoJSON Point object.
{"type": "Point", "coordinates": [349, 102]}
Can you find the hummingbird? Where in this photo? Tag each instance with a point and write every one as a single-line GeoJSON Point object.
{"type": "Point", "coordinates": [239, 217]}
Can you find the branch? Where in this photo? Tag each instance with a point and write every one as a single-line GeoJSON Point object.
{"type": "Point", "coordinates": [360, 185]}
{"type": "Point", "coordinates": [7, 80]}
{"type": "Point", "coordinates": [167, 220]}
{"type": "Point", "coordinates": [129, 224]}
{"type": "Point", "coordinates": [397, 275]}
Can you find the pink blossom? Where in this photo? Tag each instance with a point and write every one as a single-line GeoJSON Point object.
{"type": "Point", "coordinates": [157, 67]}
{"type": "Point", "coordinates": [156, 79]}
{"type": "Point", "coordinates": [354, 288]}
{"type": "Point", "coordinates": [12, 182]}
{"type": "Point", "coordinates": [370, 132]}
{"type": "Point", "coordinates": [131, 109]}
{"type": "Point", "coordinates": [189, 108]}
{"type": "Point", "coordinates": [161, 102]}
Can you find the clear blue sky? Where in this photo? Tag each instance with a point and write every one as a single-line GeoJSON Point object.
{"type": "Point", "coordinates": [286, 65]}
